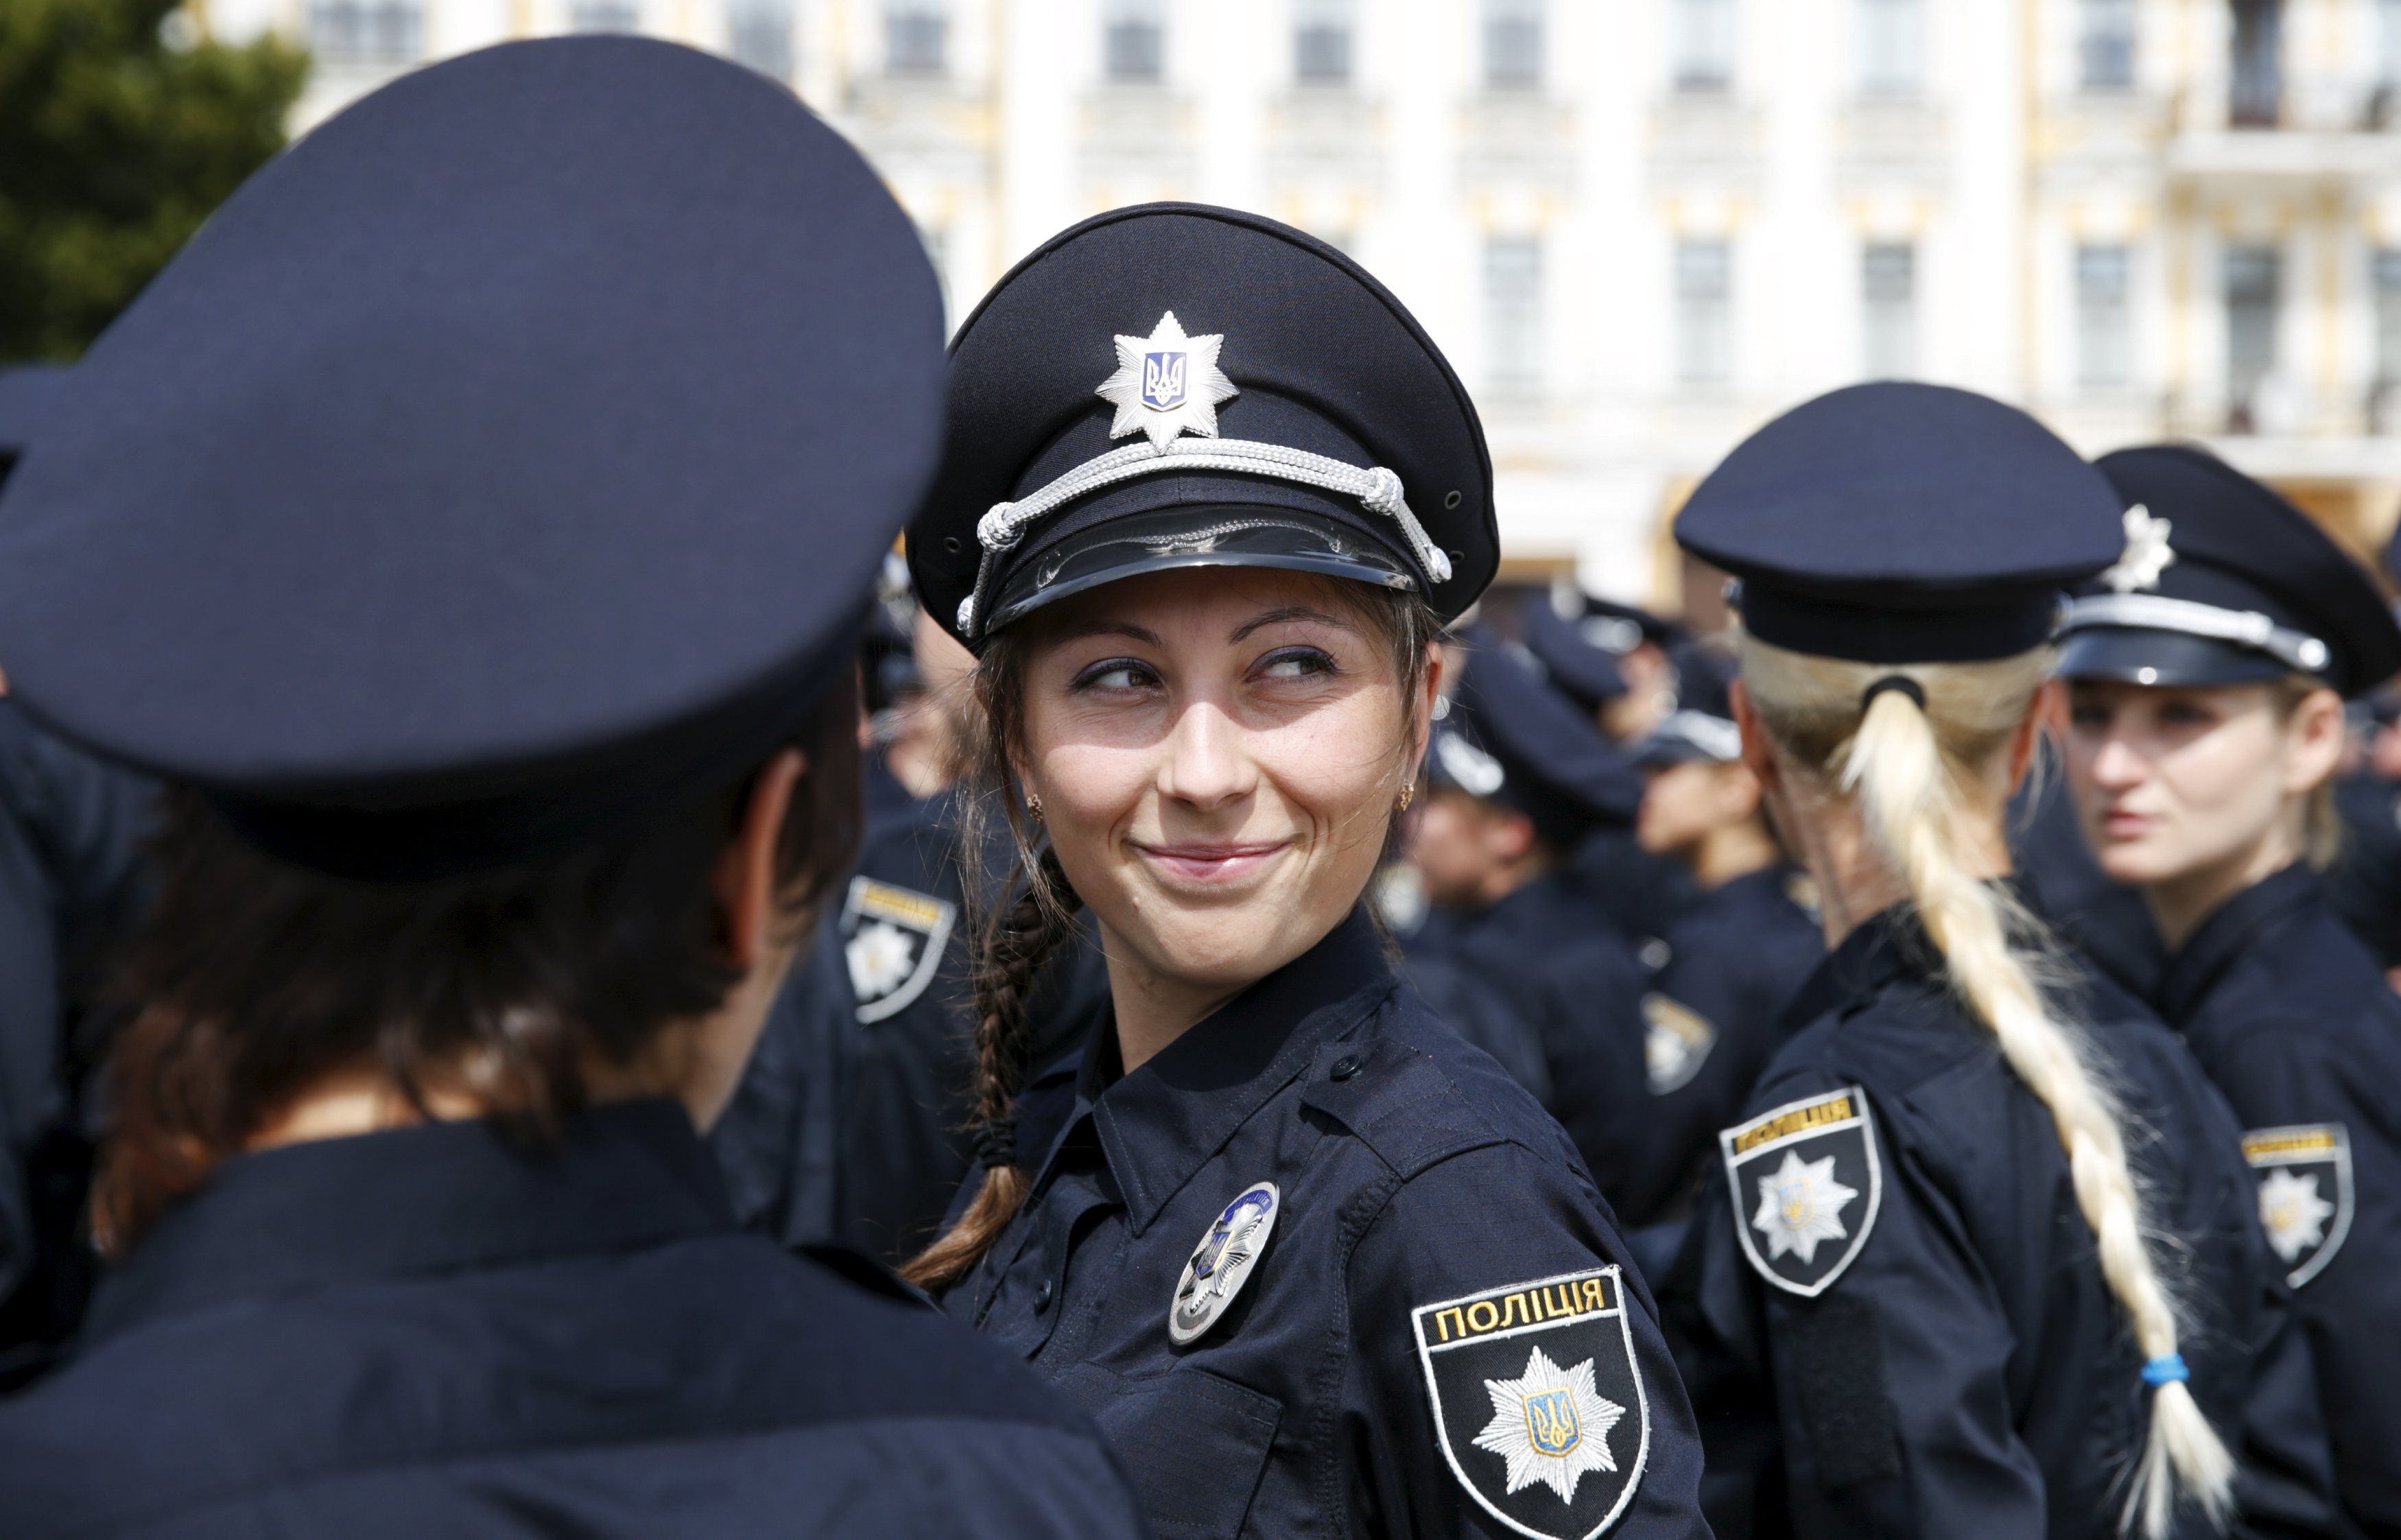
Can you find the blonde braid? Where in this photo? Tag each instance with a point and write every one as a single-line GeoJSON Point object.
{"type": "Point", "coordinates": [1893, 763]}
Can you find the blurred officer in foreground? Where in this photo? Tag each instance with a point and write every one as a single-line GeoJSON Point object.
{"type": "Point", "coordinates": [484, 504]}
{"type": "Point", "coordinates": [1275, 1244]}
{"type": "Point", "coordinates": [1990, 1261]}
{"type": "Point", "coordinates": [1711, 1015]}
{"type": "Point", "coordinates": [69, 830]}
{"type": "Point", "coordinates": [2208, 669]}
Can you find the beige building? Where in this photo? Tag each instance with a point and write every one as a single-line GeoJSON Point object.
{"type": "Point", "coordinates": [1642, 226]}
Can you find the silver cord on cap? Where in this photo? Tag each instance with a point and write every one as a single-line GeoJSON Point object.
{"type": "Point", "coordinates": [2158, 613]}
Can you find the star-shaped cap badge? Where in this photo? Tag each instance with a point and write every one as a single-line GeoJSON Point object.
{"type": "Point", "coordinates": [2148, 552]}
{"type": "Point", "coordinates": [1167, 384]}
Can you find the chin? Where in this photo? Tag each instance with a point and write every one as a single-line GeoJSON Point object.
{"type": "Point", "coordinates": [2134, 862]}
{"type": "Point", "coordinates": [1232, 948]}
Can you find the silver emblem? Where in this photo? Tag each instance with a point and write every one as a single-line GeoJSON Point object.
{"type": "Point", "coordinates": [1167, 384]}
{"type": "Point", "coordinates": [1472, 768]}
{"type": "Point", "coordinates": [2147, 553]}
{"type": "Point", "coordinates": [1222, 1262]}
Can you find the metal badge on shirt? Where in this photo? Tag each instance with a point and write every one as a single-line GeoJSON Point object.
{"type": "Point", "coordinates": [1537, 1402]}
{"type": "Point", "coordinates": [1805, 1184]}
{"type": "Point", "coordinates": [1676, 1041]}
{"type": "Point", "coordinates": [2305, 1199]}
{"type": "Point", "coordinates": [1221, 1263]}
{"type": "Point", "coordinates": [892, 940]}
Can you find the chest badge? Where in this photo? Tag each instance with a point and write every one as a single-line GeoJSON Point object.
{"type": "Point", "coordinates": [1676, 1041]}
{"type": "Point", "coordinates": [2305, 1198]}
{"type": "Point", "coordinates": [1805, 1182]}
{"type": "Point", "coordinates": [892, 943]}
{"type": "Point", "coordinates": [1222, 1262]}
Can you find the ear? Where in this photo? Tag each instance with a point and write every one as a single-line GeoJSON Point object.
{"type": "Point", "coordinates": [1757, 754]}
{"type": "Point", "coordinates": [2317, 732]}
{"type": "Point", "coordinates": [745, 880]}
{"type": "Point", "coordinates": [1738, 792]}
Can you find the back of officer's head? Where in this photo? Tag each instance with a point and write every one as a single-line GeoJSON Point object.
{"type": "Point", "coordinates": [483, 508]}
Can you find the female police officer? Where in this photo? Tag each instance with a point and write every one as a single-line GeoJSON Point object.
{"type": "Point", "coordinates": [2207, 670]}
{"type": "Point", "coordinates": [1985, 1304]}
{"type": "Point", "coordinates": [473, 521]}
{"type": "Point", "coordinates": [1312, 1263]}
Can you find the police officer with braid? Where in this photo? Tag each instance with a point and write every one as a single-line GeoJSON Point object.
{"type": "Point", "coordinates": [1982, 1253]}
{"type": "Point", "coordinates": [1313, 1263]}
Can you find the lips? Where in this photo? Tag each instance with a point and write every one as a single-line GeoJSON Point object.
{"type": "Point", "coordinates": [2125, 825]}
{"type": "Point", "coordinates": [1213, 863]}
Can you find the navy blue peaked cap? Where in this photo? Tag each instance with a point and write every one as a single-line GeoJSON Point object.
{"type": "Point", "coordinates": [1903, 523]}
{"type": "Point", "coordinates": [1702, 725]}
{"type": "Point", "coordinates": [512, 454]}
{"type": "Point", "coordinates": [2222, 582]}
{"type": "Point", "coordinates": [1512, 739]}
{"type": "Point", "coordinates": [1584, 673]}
{"type": "Point", "coordinates": [1174, 385]}
{"type": "Point", "coordinates": [1619, 629]}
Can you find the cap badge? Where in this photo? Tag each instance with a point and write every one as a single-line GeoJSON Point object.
{"type": "Point", "coordinates": [2147, 553]}
{"type": "Point", "coordinates": [1167, 384]}
{"type": "Point", "coordinates": [1470, 767]}
{"type": "Point", "coordinates": [1222, 1262]}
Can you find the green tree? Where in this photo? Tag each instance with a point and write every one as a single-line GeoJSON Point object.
{"type": "Point", "coordinates": [116, 142]}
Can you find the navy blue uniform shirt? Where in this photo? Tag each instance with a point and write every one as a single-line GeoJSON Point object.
{"type": "Point", "coordinates": [1891, 1266]}
{"type": "Point", "coordinates": [2289, 1015]}
{"type": "Point", "coordinates": [1710, 1022]}
{"type": "Point", "coordinates": [1425, 1202]}
{"type": "Point", "coordinates": [424, 1332]}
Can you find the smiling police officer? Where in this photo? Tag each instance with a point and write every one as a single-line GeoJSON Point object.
{"type": "Point", "coordinates": [1313, 1263]}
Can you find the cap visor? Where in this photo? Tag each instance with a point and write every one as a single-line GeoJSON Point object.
{"type": "Point", "coordinates": [2138, 655]}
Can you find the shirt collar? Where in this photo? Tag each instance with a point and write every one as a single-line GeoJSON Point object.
{"type": "Point", "coordinates": [1163, 1121]}
{"type": "Point", "coordinates": [437, 1197]}
{"type": "Point", "coordinates": [2227, 934]}
{"type": "Point", "coordinates": [1889, 946]}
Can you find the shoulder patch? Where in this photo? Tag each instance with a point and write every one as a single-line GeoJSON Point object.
{"type": "Point", "coordinates": [1805, 1184]}
{"type": "Point", "coordinates": [2305, 1193]}
{"type": "Point", "coordinates": [1676, 1041]}
{"type": "Point", "coordinates": [1537, 1402]}
{"type": "Point", "coordinates": [892, 938]}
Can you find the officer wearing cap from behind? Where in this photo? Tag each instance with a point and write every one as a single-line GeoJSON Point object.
{"type": "Point", "coordinates": [1515, 782]}
{"type": "Point", "coordinates": [1312, 1262]}
{"type": "Point", "coordinates": [482, 506]}
{"type": "Point", "coordinates": [1734, 961]}
{"type": "Point", "coordinates": [1999, 1270]}
{"type": "Point", "coordinates": [2207, 670]}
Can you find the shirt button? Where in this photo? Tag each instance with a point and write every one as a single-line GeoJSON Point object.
{"type": "Point", "coordinates": [1344, 1068]}
{"type": "Point", "coordinates": [1042, 1298]}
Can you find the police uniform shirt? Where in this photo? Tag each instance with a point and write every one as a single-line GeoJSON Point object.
{"type": "Point", "coordinates": [1643, 893]}
{"type": "Point", "coordinates": [2364, 884]}
{"type": "Point", "coordinates": [741, 1392]}
{"type": "Point", "coordinates": [1711, 1021]}
{"type": "Point", "coordinates": [1892, 1247]}
{"type": "Point", "coordinates": [1438, 1336]}
{"type": "Point", "coordinates": [2291, 1019]}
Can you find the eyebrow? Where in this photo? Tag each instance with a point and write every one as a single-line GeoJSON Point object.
{"type": "Point", "coordinates": [1290, 611]}
{"type": "Point", "coordinates": [1101, 625]}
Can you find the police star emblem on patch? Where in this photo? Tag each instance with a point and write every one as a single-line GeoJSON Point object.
{"type": "Point", "coordinates": [2305, 1193]}
{"type": "Point", "coordinates": [1222, 1262]}
{"type": "Point", "coordinates": [1537, 1404]}
{"type": "Point", "coordinates": [892, 941]}
{"type": "Point", "coordinates": [1806, 1184]}
{"type": "Point", "coordinates": [1676, 1042]}
{"type": "Point", "coordinates": [1167, 384]}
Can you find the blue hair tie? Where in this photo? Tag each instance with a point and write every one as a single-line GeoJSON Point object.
{"type": "Point", "coordinates": [2164, 1371]}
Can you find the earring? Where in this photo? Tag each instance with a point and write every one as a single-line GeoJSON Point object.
{"type": "Point", "coordinates": [1408, 791]}
{"type": "Point", "coordinates": [1033, 805]}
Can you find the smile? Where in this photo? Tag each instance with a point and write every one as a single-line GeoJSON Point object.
{"type": "Point", "coordinates": [1214, 865]}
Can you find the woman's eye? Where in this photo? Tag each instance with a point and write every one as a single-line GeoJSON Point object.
{"type": "Point", "coordinates": [1294, 663]}
{"type": "Point", "coordinates": [1115, 674]}
{"type": "Point", "coordinates": [2089, 719]}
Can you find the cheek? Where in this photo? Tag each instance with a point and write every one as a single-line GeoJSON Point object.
{"type": "Point", "coordinates": [1337, 761]}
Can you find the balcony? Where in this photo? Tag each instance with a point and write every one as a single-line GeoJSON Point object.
{"type": "Point", "coordinates": [2286, 130]}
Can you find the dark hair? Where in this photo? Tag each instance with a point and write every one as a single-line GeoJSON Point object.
{"type": "Point", "coordinates": [253, 978]}
{"type": "Point", "coordinates": [1015, 940]}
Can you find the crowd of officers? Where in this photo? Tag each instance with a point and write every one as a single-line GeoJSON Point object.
{"type": "Point", "coordinates": [521, 1013]}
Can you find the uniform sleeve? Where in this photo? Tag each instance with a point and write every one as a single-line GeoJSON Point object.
{"type": "Point", "coordinates": [1889, 1382]}
{"type": "Point", "coordinates": [1501, 1337]}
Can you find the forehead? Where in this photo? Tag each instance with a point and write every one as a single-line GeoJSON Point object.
{"type": "Point", "coordinates": [1203, 604]}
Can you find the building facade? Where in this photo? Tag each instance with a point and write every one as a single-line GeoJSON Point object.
{"type": "Point", "coordinates": [1640, 227]}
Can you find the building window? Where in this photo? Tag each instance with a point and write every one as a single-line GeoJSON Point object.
{"type": "Point", "coordinates": [2108, 45]}
{"type": "Point", "coordinates": [1703, 44]}
{"type": "Point", "coordinates": [2253, 283]}
{"type": "Point", "coordinates": [1888, 310]}
{"type": "Point", "coordinates": [2386, 271]}
{"type": "Point", "coordinates": [1513, 45]}
{"type": "Point", "coordinates": [1320, 42]}
{"type": "Point", "coordinates": [1890, 47]}
{"type": "Point", "coordinates": [916, 36]}
{"type": "Point", "coordinates": [367, 31]}
{"type": "Point", "coordinates": [758, 32]}
{"type": "Point", "coordinates": [2104, 316]}
{"type": "Point", "coordinates": [1512, 305]}
{"type": "Point", "coordinates": [1704, 311]}
{"type": "Point", "coordinates": [604, 16]}
{"type": "Point", "coordinates": [2256, 97]}
{"type": "Point", "coordinates": [1133, 41]}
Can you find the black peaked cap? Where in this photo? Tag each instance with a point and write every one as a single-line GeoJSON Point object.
{"type": "Point", "coordinates": [2218, 537]}
{"type": "Point", "coordinates": [1584, 672]}
{"type": "Point", "coordinates": [1903, 523]}
{"type": "Point", "coordinates": [1509, 737]}
{"type": "Point", "coordinates": [1320, 356]}
{"type": "Point", "coordinates": [513, 452]}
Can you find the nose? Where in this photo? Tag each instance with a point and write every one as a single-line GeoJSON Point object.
{"type": "Point", "coordinates": [1207, 763]}
{"type": "Point", "coordinates": [2117, 764]}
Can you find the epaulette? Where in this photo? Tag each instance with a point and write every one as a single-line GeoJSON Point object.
{"type": "Point", "coordinates": [856, 1267]}
{"type": "Point", "coordinates": [1398, 1102]}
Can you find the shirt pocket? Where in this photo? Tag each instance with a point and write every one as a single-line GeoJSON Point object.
{"type": "Point", "coordinates": [1194, 1443]}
